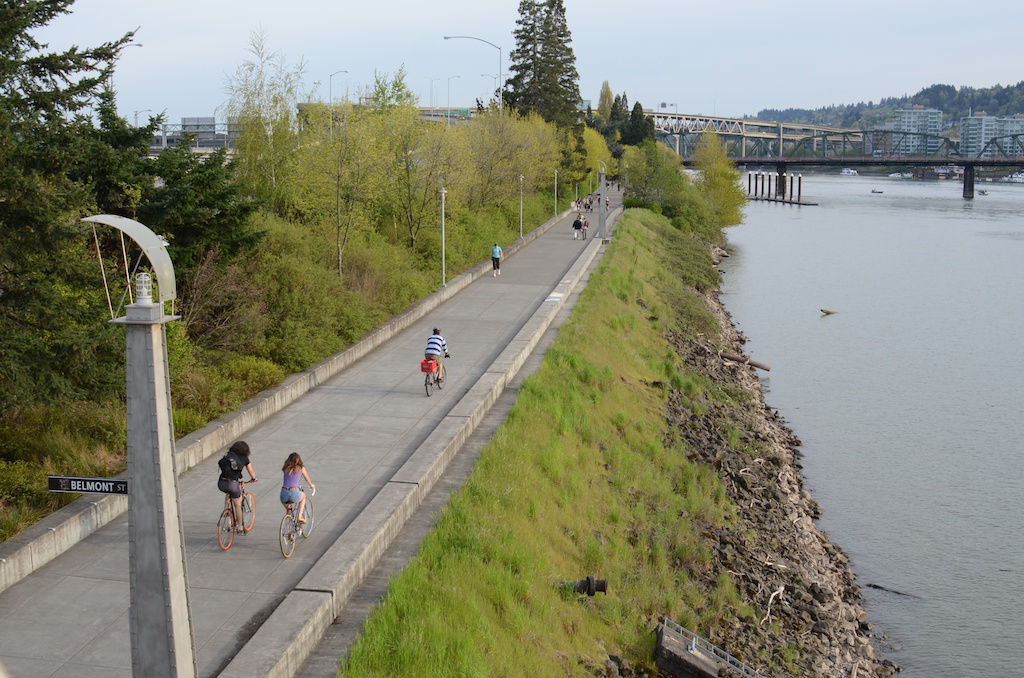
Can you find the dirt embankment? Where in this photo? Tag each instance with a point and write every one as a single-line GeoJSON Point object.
{"type": "Point", "coordinates": [798, 582]}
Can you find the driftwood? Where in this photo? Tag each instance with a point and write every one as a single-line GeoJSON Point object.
{"type": "Point", "coordinates": [827, 311]}
{"type": "Point", "coordinates": [746, 361]}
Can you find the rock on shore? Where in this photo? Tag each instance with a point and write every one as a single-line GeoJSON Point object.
{"type": "Point", "coordinates": [774, 547]}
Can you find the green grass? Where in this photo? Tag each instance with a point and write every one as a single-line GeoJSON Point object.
{"type": "Point", "coordinates": [581, 479]}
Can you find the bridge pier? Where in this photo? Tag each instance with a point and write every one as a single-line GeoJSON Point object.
{"type": "Point", "coordinates": [968, 182]}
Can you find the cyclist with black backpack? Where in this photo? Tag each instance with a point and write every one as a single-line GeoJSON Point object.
{"type": "Point", "coordinates": [231, 465]}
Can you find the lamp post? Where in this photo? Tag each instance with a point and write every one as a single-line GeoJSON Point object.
{"type": "Point", "coordinates": [444, 282]}
{"type": "Point", "coordinates": [556, 192]}
{"type": "Point", "coordinates": [471, 37]}
{"type": "Point", "coordinates": [520, 205]}
{"type": "Point", "coordinates": [600, 200]}
{"type": "Point", "coordinates": [330, 97]}
{"type": "Point", "coordinates": [144, 110]}
{"type": "Point", "coordinates": [160, 616]}
{"type": "Point", "coordinates": [432, 91]}
{"type": "Point", "coordinates": [448, 110]}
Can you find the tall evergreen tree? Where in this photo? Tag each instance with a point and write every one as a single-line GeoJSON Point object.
{"type": "Point", "coordinates": [50, 330]}
{"type": "Point", "coordinates": [525, 84]}
{"type": "Point", "coordinates": [638, 127]}
{"type": "Point", "coordinates": [563, 89]}
{"type": "Point", "coordinates": [544, 80]}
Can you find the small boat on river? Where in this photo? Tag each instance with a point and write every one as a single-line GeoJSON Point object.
{"type": "Point", "coordinates": [847, 172]}
{"type": "Point", "coordinates": [875, 190]}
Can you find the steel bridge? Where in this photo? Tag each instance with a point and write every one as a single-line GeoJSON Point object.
{"type": "Point", "coordinates": [757, 142]}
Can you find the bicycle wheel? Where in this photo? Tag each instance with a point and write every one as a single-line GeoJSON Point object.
{"type": "Point", "coordinates": [287, 535]}
{"type": "Point", "coordinates": [307, 527]}
{"type": "Point", "coordinates": [439, 380]}
{"type": "Point", "coordinates": [428, 383]}
{"type": "Point", "coordinates": [248, 511]}
{"type": "Point", "coordinates": [226, 529]}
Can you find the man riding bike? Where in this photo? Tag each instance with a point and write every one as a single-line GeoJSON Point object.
{"type": "Point", "coordinates": [436, 347]}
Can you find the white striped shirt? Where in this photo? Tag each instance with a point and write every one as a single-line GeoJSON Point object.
{"type": "Point", "coordinates": [436, 345]}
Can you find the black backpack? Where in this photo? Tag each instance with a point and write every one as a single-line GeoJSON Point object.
{"type": "Point", "coordinates": [230, 467]}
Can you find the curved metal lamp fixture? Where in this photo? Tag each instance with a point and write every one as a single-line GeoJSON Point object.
{"type": "Point", "coordinates": [152, 245]}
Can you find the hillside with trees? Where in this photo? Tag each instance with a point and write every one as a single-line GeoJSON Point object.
{"type": "Point", "coordinates": [319, 227]}
{"type": "Point", "coordinates": [999, 101]}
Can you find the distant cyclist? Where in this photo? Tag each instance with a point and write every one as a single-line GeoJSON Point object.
{"type": "Point", "coordinates": [436, 347]}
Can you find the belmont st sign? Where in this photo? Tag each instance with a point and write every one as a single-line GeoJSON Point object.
{"type": "Point", "coordinates": [76, 484]}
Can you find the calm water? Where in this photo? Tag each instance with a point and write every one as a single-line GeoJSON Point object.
{"type": "Point", "coordinates": [907, 400]}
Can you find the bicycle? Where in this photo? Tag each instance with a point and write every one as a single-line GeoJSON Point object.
{"type": "Point", "coordinates": [434, 374]}
{"type": "Point", "coordinates": [226, 524]}
{"type": "Point", "coordinates": [291, 528]}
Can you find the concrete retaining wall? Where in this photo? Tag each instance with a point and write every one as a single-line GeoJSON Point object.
{"type": "Point", "coordinates": [275, 653]}
{"type": "Point", "coordinates": [39, 544]}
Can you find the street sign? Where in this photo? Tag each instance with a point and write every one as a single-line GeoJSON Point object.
{"type": "Point", "coordinates": [76, 484]}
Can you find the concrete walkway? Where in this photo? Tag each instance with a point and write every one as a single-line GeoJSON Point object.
{"type": "Point", "coordinates": [373, 443]}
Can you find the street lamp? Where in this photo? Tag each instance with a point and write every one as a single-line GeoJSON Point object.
{"type": "Point", "coordinates": [556, 192]}
{"type": "Point", "coordinates": [432, 91]}
{"type": "Point", "coordinates": [675, 106]}
{"type": "Point", "coordinates": [443, 280]}
{"type": "Point", "coordinates": [448, 110]}
{"type": "Point", "coordinates": [520, 205]}
{"type": "Point", "coordinates": [600, 200]}
{"type": "Point", "coordinates": [330, 97]}
{"type": "Point", "coordinates": [470, 37]}
{"type": "Point", "coordinates": [144, 110]}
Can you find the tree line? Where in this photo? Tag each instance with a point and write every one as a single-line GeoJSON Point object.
{"type": "Point", "coordinates": [323, 223]}
{"type": "Point", "coordinates": [955, 103]}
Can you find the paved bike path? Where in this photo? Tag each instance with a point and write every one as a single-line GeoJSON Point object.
{"type": "Point", "coordinates": [70, 617]}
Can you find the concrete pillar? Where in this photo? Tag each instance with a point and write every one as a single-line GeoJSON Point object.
{"type": "Point", "coordinates": [969, 182]}
{"type": "Point", "coordinates": [160, 614]}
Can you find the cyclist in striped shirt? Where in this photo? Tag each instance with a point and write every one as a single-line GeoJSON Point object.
{"type": "Point", "coordinates": [436, 347]}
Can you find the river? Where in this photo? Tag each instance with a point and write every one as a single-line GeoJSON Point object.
{"type": "Point", "coordinates": [907, 398]}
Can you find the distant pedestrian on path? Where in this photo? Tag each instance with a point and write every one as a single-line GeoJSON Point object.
{"type": "Point", "coordinates": [495, 260]}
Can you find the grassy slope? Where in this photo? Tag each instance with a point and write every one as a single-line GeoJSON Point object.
{"type": "Point", "coordinates": [582, 479]}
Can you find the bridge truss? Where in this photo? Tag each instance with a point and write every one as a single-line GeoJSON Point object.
{"type": "Point", "coordinates": [773, 141]}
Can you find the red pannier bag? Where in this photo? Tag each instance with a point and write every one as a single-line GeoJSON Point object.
{"type": "Point", "coordinates": [428, 365]}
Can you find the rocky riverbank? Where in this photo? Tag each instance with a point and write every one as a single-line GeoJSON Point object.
{"type": "Point", "coordinates": [809, 619]}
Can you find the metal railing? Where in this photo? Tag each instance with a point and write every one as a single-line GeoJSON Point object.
{"type": "Point", "coordinates": [695, 642]}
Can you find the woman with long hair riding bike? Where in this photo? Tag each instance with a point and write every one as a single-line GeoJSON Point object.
{"type": "Point", "coordinates": [294, 473]}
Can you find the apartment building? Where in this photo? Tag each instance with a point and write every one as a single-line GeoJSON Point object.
{"type": "Point", "coordinates": [979, 129]}
{"type": "Point", "coordinates": [917, 120]}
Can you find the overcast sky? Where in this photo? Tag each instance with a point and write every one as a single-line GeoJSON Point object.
{"type": "Point", "coordinates": [726, 58]}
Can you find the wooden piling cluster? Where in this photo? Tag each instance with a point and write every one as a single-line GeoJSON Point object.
{"type": "Point", "coordinates": [760, 187]}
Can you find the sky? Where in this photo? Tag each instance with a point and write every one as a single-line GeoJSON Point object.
{"type": "Point", "coordinates": [699, 57]}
